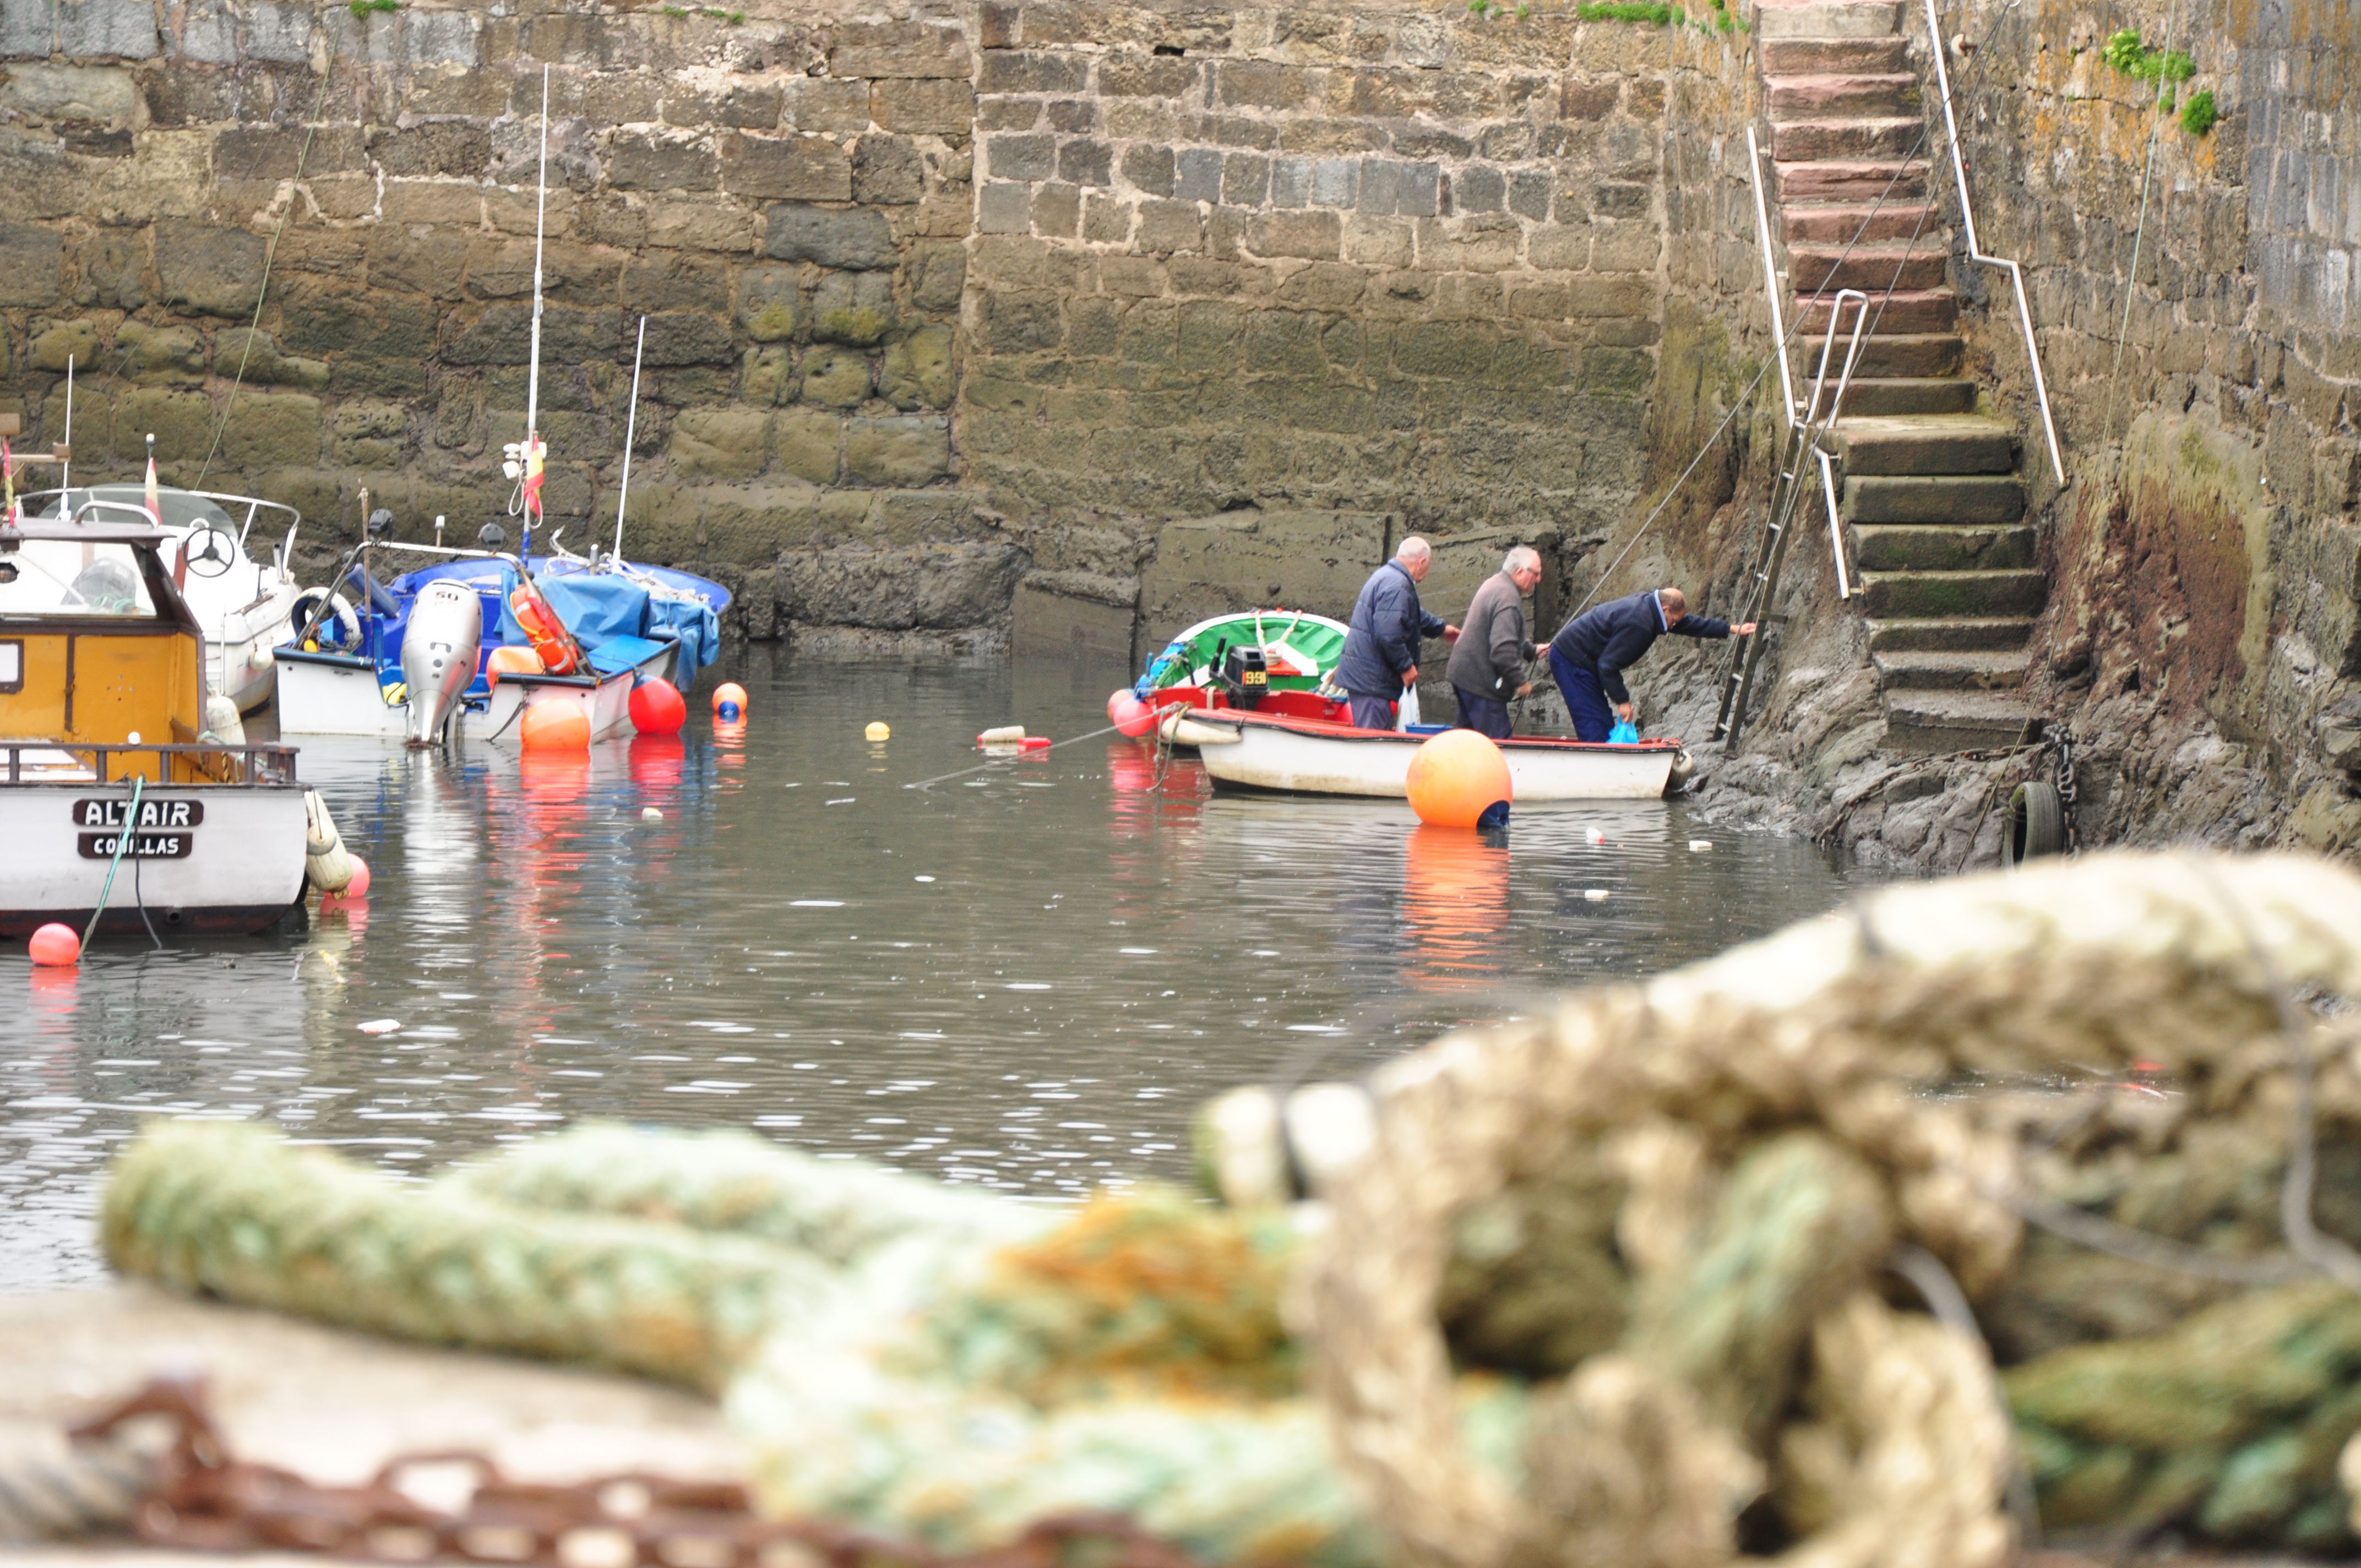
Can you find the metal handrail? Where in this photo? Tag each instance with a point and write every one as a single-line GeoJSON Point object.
{"type": "Point", "coordinates": [1975, 246]}
{"type": "Point", "coordinates": [1770, 273]}
{"type": "Point", "coordinates": [1836, 528]}
{"type": "Point", "coordinates": [261, 763]}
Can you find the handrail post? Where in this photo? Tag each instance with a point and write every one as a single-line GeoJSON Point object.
{"type": "Point", "coordinates": [1836, 527]}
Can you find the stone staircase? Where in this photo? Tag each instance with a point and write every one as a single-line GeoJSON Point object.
{"type": "Point", "coordinates": [1943, 560]}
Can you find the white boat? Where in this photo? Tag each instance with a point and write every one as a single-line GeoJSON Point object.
{"type": "Point", "coordinates": [342, 694]}
{"type": "Point", "coordinates": [1245, 750]}
{"type": "Point", "coordinates": [114, 798]}
{"type": "Point", "coordinates": [243, 602]}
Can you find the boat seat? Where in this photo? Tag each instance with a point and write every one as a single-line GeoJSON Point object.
{"type": "Point", "coordinates": [616, 654]}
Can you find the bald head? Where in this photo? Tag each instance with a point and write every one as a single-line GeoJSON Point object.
{"type": "Point", "coordinates": [1416, 555]}
{"type": "Point", "coordinates": [1675, 604]}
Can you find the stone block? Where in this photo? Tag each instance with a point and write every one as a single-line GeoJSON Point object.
{"type": "Point", "coordinates": [1030, 157]}
{"type": "Point", "coordinates": [826, 104]}
{"type": "Point", "coordinates": [123, 29]}
{"type": "Point", "coordinates": [208, 33]}
{"type": "Point", "coordinates": [702, 225]}
{"type": "Point", "coordinates": [1530, 190]}
{"type": "Point", "coordinates": [836, 377]}
{"type": "Point", "coordinates": [102, 96]}
{"type": "Point", "coordinates": [1056, 209]}
{"type": "Point", "coordinates": [161, 356]}
{"type": "Point", "coordinates": [1014, 71]}
{"type": "Point", "coordinates": [27, 30]}
{"type": "Point", "coordinates": [1335, 182]}
{"type": "Point", "coordinates": [811, 444]}
{"type": "Point", "coordinates": [421, 261]}
{"type": "Point", "coordinates": [1083, 162]}
{"type": "Point", "coordinates": [1246, 180]}
{"type": "Point", "coordinates": [687, 337]}
{"type": "Point", "coordinates": [1007, 114]}
{"type": "Point", "coordinates": [1075, 615]}
{"type": "Point", "coordinates": [918, 371]}
{"type": "Point", "coordinates": [898, 49]}
{"type": "Point", "coordinates": [1307, 560]}
{"type": "Point", "coordinates": [902, 452]}
{"type": "Point", "coordinates": [32, 265]}
{"type": "Point", "coordinates": [858, 240]}
{"type": "Point", "coordinates": [1166, 226]}
{"type": "Point", "coordinates": [1312, 234]}
{"type": "Point", "coordinates": [1005, 207]}
{"type": "Point", "coordinates": [920, 106]}
{"type": "Point", "coordinates": [937, 277]}
{"type": "Point", "coordinates": [658, 161]}
{"type": "Point", "coordinates": [481, 95]}
{"type": "Point", "coordinates": [368, 434]}
{"type": "Point", "coordinates": [751, 107]}
{"type": "Point", "coordinates": [182, 422]}
{"type": "Point", "coordinates": [931, 587]}
{"type": "Point", "coordinates": [719, 444]}
{"type": "Point", "coordinates": [1167, 77]}
{"type": "Point", "coordinates": [203, 270]}
{"type": "Point", "coordinates": [886, 171]}
{"type": "Point", "coordinates": [1148, 169]}
{"type": "Point", "coordinates": [437, 146]}
{"type": "Point", "coordinates": [1197, 174]}
{"type": "Point", "coordinates": [1411, 190]}
{"type": "Point", "coordinates": [675, 281]}
{"type": "Point", "coordinates": [1290, 181]}
{"type": "Point", "coordinates": [439, 38]}
{"type": "Point", "coordinates": [502, 334]}
{"type": "Point", "coordinates": [767, 376]}
{"type": "Point", "coordinates": [1479, 189]}
{"type": "Point", "coordinates": [854, 307]}
{"type": "Point", "coordinates": [55, 344]}
{"type": "Point", "coordinates": [789, 167]}
{"type": "Point", "coordinates": [1107, 220]}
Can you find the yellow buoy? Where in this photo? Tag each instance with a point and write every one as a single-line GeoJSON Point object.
{"type": "Point", "coordinates": [878, 730]}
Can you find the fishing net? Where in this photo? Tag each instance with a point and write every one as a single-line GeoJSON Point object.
{"type": "Point", "coordinates": [1782, 1119]}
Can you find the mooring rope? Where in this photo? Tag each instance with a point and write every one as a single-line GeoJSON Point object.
{"type": "Point", "coordinates": [1070, 739]}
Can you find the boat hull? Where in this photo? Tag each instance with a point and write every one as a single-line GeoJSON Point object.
{"type": "Point", "coordinates": [332, 694]}
{"type": "Point", "coordinates": [1247, 751]}
{"type": "Point", "coordinates": [237, 868]}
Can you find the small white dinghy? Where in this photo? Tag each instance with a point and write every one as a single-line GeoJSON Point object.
{"type": "Point", "coordinates": [1249, 751]}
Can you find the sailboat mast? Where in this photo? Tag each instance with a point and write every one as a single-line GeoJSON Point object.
{"type": "Point", "coordinates": [532, 377]}
{"type": "Point", "coordinates": [630, 429]}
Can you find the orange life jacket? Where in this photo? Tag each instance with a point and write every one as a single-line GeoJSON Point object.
{"type": "Point", "coordinates": [560, 654]}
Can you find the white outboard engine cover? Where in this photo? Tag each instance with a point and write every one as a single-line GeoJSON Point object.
{"type": "Point", "coordinates": [438, 656]}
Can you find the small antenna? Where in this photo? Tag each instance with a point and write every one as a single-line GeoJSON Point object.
{"type": "Point", "coordinates": [438, 530]}
{"type": "Point", "coordinates": [630, 429]}
{"type": "Point", "coordinates": [65, 469]}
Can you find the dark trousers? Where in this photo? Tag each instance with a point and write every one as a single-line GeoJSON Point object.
{"type": "Point", "coordinates": [1585, 703]}
{"type": "Point", "coordinates": [1482, 715]}
{"type": "Point", "coordinates": [1373, 712]}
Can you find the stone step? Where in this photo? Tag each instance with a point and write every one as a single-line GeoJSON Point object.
{"type": "Point", "coordinates": [1809, 141]}
{"type": "Point", "coordinates": [1888, 596]}
{"type": "Point", "coordinates": [1939, 547]}
{"type": "Point", "coordinates": [1949, 634]}
{"type": "Point", "coordinates": [1926, 444]}
{"type": "Point", "coordinates": [1851, 180]}
{"type": "Point", "coordinates": [1883, 266]}
{"type": "Point", "coordinates": [1915, 356]}
{"type": "Point", "coordinates": [1828, 18]}
{"type": "Point", "coordinates": [1829, 57]}
{"type": "Point", "coordinates": [1844, 223]}
{"type": "Point", "coordinates": [1934, 722]}
{"type": "Point", "coordinates": [1842, 97]}
{"type": "Point", "coordinates": [1933, 497]}
{"type": "Point", "coordinates": [1990, 672]}
{"type": "Point", "coordinates": [1909, 311]}
{"type": "Point", "coordinates": [1877, 395]}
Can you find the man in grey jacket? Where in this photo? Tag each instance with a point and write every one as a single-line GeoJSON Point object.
{"type": "Point", "coordinates": [1488, 663]}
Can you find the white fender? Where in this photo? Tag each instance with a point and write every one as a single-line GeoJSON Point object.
{"type": "Point", "coordinates": [326, 861]}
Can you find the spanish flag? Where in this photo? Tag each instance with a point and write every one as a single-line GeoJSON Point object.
{"type": "Point", "coordinates": [534, 450]}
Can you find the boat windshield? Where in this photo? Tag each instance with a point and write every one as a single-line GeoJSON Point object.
{"type": "Point", "coordinates": [181, 508]}
{"type": "Point", "coordinates": [64, 576]}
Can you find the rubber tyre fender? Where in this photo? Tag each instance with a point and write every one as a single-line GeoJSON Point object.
{"type": "Point", "coordinates": [2036, 823]}
{"type": "Point", "coordinates": [339, 630]}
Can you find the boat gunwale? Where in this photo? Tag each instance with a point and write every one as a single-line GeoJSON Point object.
{"type": "Point", "coordinates": [1322, 730]}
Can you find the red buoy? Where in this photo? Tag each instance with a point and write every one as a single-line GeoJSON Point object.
{"type": "Point", "coordinates": [57, 946]}
{"type": "Point", "coordinates": [1130, 716]}
{"type": "Point", "coordinates": [657, 708]}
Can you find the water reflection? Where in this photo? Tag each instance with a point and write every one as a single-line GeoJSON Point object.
{"type": "Point", "coordinates": [1023, 976]}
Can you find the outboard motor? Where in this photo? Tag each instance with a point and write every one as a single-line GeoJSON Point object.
{"type": "Point", "coordinates": [438, 657]}
{"type": "Point", "coordinates": [1246, 676]}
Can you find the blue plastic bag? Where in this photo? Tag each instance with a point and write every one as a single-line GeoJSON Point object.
{"type": "Point", "coordinates": [1625, 733]}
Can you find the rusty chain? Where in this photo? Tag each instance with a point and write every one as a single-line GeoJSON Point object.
{"type": "Point", "coordinates": [203, 1499]}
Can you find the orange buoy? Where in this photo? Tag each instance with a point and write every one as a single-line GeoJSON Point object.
{"type": "Point", "coordinates": [556, 724]}
{"type": "Point", "coordinates": [57, 946]}
{"type": "Point", "coordinates": [730, 700]}
{"type": "Point", "coordinates": [511, 659]}
{"type": "Point", "coordinates": [1457, 778]}
{"type": "Point", "coordinates": [1132, 716]}
{"type": "Point", "coordinates": [657, 708]}
{"type": "Point", "coordinates": [358, 886]}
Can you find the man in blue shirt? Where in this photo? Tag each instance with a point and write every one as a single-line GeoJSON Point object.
{"type": "Point", "coordinates": [1590, 653]}
{"type": "Point", "coordinates": [1380, 657]}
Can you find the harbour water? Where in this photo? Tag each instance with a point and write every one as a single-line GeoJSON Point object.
{"type": "Point", "coordinates": [1025, 976]}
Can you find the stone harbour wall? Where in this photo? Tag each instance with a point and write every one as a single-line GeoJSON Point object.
{"type": "Point", "coordinates": [938, 300]}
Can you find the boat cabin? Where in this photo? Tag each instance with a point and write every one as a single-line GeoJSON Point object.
{"type": "Point", "coordinates": [97, 647]}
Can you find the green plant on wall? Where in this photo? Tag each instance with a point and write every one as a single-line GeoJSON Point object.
{"type": "Point", "coordinates": [2125, 51]}
{"type": "Point", "coordinates": [2197, 116]}
{"type": "Point", "coordinates": [361, 8]}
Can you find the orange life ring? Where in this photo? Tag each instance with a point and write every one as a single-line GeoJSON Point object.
{"type": "Point", "coordinates": [560, 654]}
